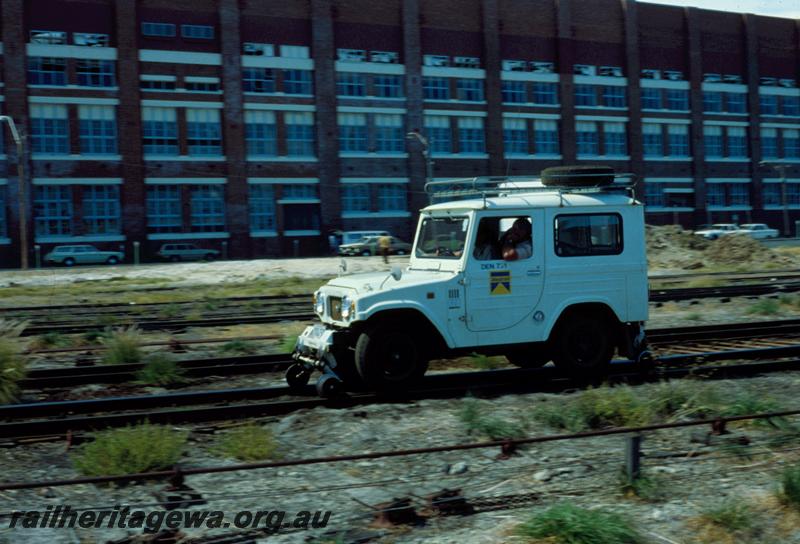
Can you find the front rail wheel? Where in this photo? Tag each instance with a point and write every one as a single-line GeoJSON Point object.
{"type": "Point", "coordinates": [583, 346]}
{"type": "Point", "coordinates": [297, 376]}
{"type": "Point", "coordinates": [389, 357]}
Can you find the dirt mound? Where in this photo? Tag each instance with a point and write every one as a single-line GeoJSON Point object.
{"type": "Point", "coordinates": [742, 249]}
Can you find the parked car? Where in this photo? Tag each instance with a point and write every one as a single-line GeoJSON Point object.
{"type": "Point", "coordinates": [718, 229]}
{"type": "Point", "coordinates": [369, 246]}
{"type": "Point", "coordinates": [759, 231]}
{"type": "Point", "coordinates": [354, 236]}
{"type": "Point", "coordinates": [82, 254]}
{"type": "Point", "coordinates": [186, 252]}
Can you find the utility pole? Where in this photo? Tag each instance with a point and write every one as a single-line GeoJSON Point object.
{"type": "Point", "coordinates": [426, 152]}
{"type": "Point", "coordinates": [23, 195]}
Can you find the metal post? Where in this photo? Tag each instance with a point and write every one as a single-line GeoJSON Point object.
{"type": "Point", "coordinates": [426, 152]}
{"type": "Point", "coordinates": [37, 254]}
{"type": "Point", "coordinates": [224, 250]}
{"type": "Point", "coordinates": [23, 197]}
{"type": "Point", "coordinates": [136, 245]}
{"type": "Point", "coordinates": [633, 469]}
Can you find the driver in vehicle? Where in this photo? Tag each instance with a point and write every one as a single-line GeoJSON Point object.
{"type": "Point", "coordinates": [516, 242]}
{"type": "Point", "coordinates": [486, 242]}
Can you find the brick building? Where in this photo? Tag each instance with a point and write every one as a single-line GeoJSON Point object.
{"type": "Point", "coordinates": [258, 126]}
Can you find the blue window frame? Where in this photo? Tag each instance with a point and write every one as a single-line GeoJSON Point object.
{"type": "Point", "coordinates": [350, 84]}
{"type": "Point", "coordinates": [52, 210]}
{"type": "Point", "coordinates": [712, 101]}
{"type": "Point", "coordinates": [300, 139]}
{"type": "Point", "coordinates": [614, 97]}
{"type": "Point", "coordinates": [651, 99]}
{"type": "Point", "coordinates": [436, 88]}
{"type": "Point", "coordinates": [158, 30]}
{"type": "Point", "coordinates": [515, 136]}
{"type": "Point", "coordinates": [164, 208]}
{"type": "Point", "coordinates": [439, 134]}
{"type": "Point", "coordinates": [514, 92]}
{"type": "Point", "coordinates": [203, 132]}
{"type": "Point", "coordinates": [768, 104]}
{"type": "Point", "coordinates": [790, 105]}
{"type": "Point", "coordinates": [545, 137]}
{"type": "Point", "coordinates": [49, 129]}
{"type": "Point", "coordinates": [297, 82]}
{"type": "Point", "coordinates": [97, 130]}
{"type": "Point", "coordinates": [47, 71]}
{"type": "Point", "coordinates": [355, 197]}
{"type": "Point", "coordinates": [585, 95]}
{"type": "Point", "coordinates": [586, 139]}
{"type": "Point", "coordinates": [207, 208]}
{"type": "Point", "coordinates": [258, 80]}
{"type": "Point", "coordinates": [388, 86]}
{"type": "Point", "coordinates": [736, 102]}
{"type": "Point", "coordinates": [101, 209]}
{"type": "Point", "coordinates": [96, 73]}
{"type": "Point", "coordinates": [678, 99]}
{"type": "Point", "coordinates": [469, 90]}
{"type": "Point", "coordinates": [262, 207]}
{"type": "Point", "coordinates": [260, 133]}
{"type": "Point", "coordinates": [197, 32]}
{"type": "Point", "coordinates": [545, 93]}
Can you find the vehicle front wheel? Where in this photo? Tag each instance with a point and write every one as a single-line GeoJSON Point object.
{"type": "Point", "coordinates": [112, 260]}
{"type": "Point", "coordinates": [69, 261]}
{"type": "Point", "coordinates": [389, 357]}
{"type": "Point", "coordinates": [582, 346]}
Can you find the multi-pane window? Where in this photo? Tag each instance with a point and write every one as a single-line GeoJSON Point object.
{"type": "Point", "coordinates": [515, 136]}
{"type": "Point", "coordinates": [98, 130]}
{"type": "Point", "coordinates": [52, 210]}
{"type": "Point", "coordinates": [195, 86]}
{"type": "Point", "coordinates": [772, 194]}
{"type": "Point", "coordinates": [715, 194]}
{"type": "Point", "coordinates": [677, 99]}
{"type": "Point", "coordinates": [391, 197]}
{"type": "Point", "coordinates": [436, 88]}
{"type": "Point", "coordinates": [545, 93]}
{"type": "Point", "coordinates": [101, 210]}
{"type": "Point", "coordinates": [299, 134]}
{"type": "Point", "coordinates": [156, 83]}
{"type": "Point", "coordinates": [96, 73]}
{"type": "Point", "coordinates": [585, 95]}
{"type": "Point", "coordinates": [737, 142]}
{"type": "Point", "coordinates": [387, 86]}
{"type": "Point", "coordinates": [581, 235]}
{"type": "Point", "coordinates": [712, 140]}
{"type": "Point", "coordinates": [49, 129]}
{"type": "Point", "coordinates": [389, 134]}
{"type": "Point", "coordinates": [791, 143]}
{"type": "Point", "coordinates": [470, 135]}
{"type": "Point", "coordinates": [769, 143]}
{"type": "Point", "coordinates": [164, 208]}
{"type": "Point", "coordinates": [350, 84]}
{"type": "Point", "coordinates": [722, 195]}
{"type": "Point", "coordinates": [654, 195]}
{"type": "Point", "coordinates": [586, 138]}
{"type": "Point", "coordinates": [651, 99]}
{"type": "Point", "coordinates": [790, 105]}
{"type": "Point", "coordinates": [207, 205]}
{"type": "Point", "coordinates": [160, 131]}
{"type": "Point", "coordinates": [793, 194]}
{"type": "Point", "coordinates": [712, 101]}
{"type": "Point", "coordinates": [197, 32]}
{"type": "Point", "coordinates": [614, 97]}
{"type": "Point", "coordinates": [3, 219]}
{"type": "Point", "coordinates": [158, 30]}
{"type": "Point", "coordinates": [352, 132]}
{"type": "Point", "coordinates": [768, 104]}
{"type": "Point", "coordinates": [545, 137]}
{"type": "Point", "coordinates": [469, 90]}
{"type": "Point", "coordinates": [47, 71]}
{"type": "Point", "coordinates": [514, 92]}
{"type": "Point", "coordinates": [297, 82]}
{"type": "Point", "coordinates": [260, 133]}
{"type": "Point", "coordinates": [678, 140]}
{"type": "Point", "coordinates": [262, 207]}
{"type": "Point", "coordinates": [439, 135]}
{"type": "Point", "coordinates": [355, 197]}
{"type": "Point", "coordinates": [203, 132]}
{"type": "Point", "coordinates": [258, 80]}
{"type": "Point", "coordinates": [739, 194]}
{"type": "Point", "coordinates": [652, 140]}
{"type": "Point", "coordinates": [615, 139]}
{"type": "Point", "coordinates": [736, 102]}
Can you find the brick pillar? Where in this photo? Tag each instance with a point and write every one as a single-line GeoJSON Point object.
{"type": "Point", "coordinates": [632, 69]}
{"type": "Point", "coordinates": [129, 126]}
{"type": "Point", "coordinates": [323, 48]}
{"type": "Point", "coordinates": [754, 130]}
{"type": "Point", "coordinates": [412, 57]}
{"type": "Point", "coordinates": [566, 60]}
{"type": "Point", "coordinates": [16, 106]}
{"type": "Point", "coordinates": [494, 97]}
{"type": "Point", "coordinates": [696, 106]}
{"type": "Point", "coordinates": [233, 131]}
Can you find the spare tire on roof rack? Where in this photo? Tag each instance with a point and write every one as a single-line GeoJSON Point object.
{"type": "Point", "coordinates": [577, 176]}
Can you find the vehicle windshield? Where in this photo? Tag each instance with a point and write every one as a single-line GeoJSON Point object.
{"type": "Point", "coordinates": [442, 237]}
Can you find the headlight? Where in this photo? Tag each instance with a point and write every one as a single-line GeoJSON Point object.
{"type": "Point", "coordinates": [319, 303]}
{"type": "Point", "coordinates": [348, 307]}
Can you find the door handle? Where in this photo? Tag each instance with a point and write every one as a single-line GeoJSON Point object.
{"type": "Point", "coordinates": [535, 271]}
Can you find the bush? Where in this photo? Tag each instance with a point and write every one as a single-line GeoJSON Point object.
{"type": "Point", "coordinates": [123, 346]}
{"type": "Point", "coordinates": [12, 362]}
{"type": "Point", "coordinates": [129, 450]}
{"type": "Point", "coordinates": [790, 487]}
{"type": "Point", "coordinates": [160, 369]}
{"type": "Point", "coordinates": [50, 340]}
{"type": "Point", "coordinates": [731, 515]}
{"type": "Point", "coordinates": [765, 306]}
{"type": "Point", "coordinates": [250, 442]}
{"type": "Point", "coordinates": [568, 524]}
{"type": "Point", "coordinates": [477, 423]}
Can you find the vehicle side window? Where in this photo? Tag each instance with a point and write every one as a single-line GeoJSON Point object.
{"type": "Point", "coordinates": [582, 235]}
{"type": "Point", "coordinates": [508, 238]}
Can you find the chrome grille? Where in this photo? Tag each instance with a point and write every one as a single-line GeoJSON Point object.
{"type": "Point", "coordinates": [335, 308]}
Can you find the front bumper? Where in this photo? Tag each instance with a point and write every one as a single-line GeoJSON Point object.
{"type": "Point", "coordinates": [315, 347]}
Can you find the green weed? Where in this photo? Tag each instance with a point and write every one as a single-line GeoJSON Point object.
{"type": "Point", "coordinates": [123, 346]}
{"type": "Point", "coordinates": [569, 524]}
{"type": "Point", "coordinates": [160, 369]}
{"type": "Point", "coordinates": [250, 442]}
{"type": "Point", "coordinates": [478, 423]}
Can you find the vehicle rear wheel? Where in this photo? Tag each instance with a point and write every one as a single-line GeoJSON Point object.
{"type": "Point", "coordinates": [175, 258]}
{"type": "Point", "coordinates": [69, 261]}
{"type": "Point", "coordinates": [582, 345]}
{"type": "Point", "coordinates": [529, 358]}
{"type": "Point", "coordinates": [366, 253]}
{"type": "Point", "coordinates": [329, 386]}
{"type": "Point", "coordinates": [387, 356]}
{"type": "Point", "coordinates": [112, 260]}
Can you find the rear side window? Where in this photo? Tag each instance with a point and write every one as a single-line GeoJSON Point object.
{"type": "Point", "coordinates": [582, 235]}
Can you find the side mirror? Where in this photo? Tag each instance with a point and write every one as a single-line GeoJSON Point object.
{"type": "Point", "coordinates": [397, 273]}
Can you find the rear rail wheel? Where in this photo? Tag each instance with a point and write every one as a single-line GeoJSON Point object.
{"type": "Point", "coordinates": [297, 376]}
{"type": "Point", "coordinates": [329, 386]}
{"type": "Point", "coordinates": [390, 356]}
{"type": "Point", "coordinates": [583, 345]}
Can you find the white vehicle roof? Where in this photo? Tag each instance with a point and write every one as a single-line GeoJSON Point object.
{"type": "Point", "coordinates": [554, 199]}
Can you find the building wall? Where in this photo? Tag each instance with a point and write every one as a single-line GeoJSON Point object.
{"type": "Point", "coordinates": [258, 127]}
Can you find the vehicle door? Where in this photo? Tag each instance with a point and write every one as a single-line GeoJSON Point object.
{"type": "Point", "coordinates": [501, 293]}
{"type": "Point", "coordinates": [79, 253]}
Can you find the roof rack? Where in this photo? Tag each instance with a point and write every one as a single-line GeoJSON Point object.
{"type": "Point", "coordinates": [493, 186]}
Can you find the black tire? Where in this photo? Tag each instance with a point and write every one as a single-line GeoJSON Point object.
{"type": "Point", "coordinates": [583, 345]}
{"type": "Point", "coordinates": [175, 259]}
{"type": "Point", "coordinates": [528, 358]}
{"type": "Point", "coordinates": [387, 356]}
{"type": "Point", "coordinates": [577, 176]}
{"type": "Point", "coordinates": [112, 260]}
{"type": "Point", "coordinates": [329, 386]}
{"type": "Point", "coordinates": [366, 253]}
{"type": "Point", "coordinates": [297, 376]}
{"type": "Point", "coordinates": [69, 261]}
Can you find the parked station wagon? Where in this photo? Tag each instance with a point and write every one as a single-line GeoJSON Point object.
{"type": "Point", "coordinates": [82, 254]}
{"type": "Point", "coordinates": [186, 252]}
